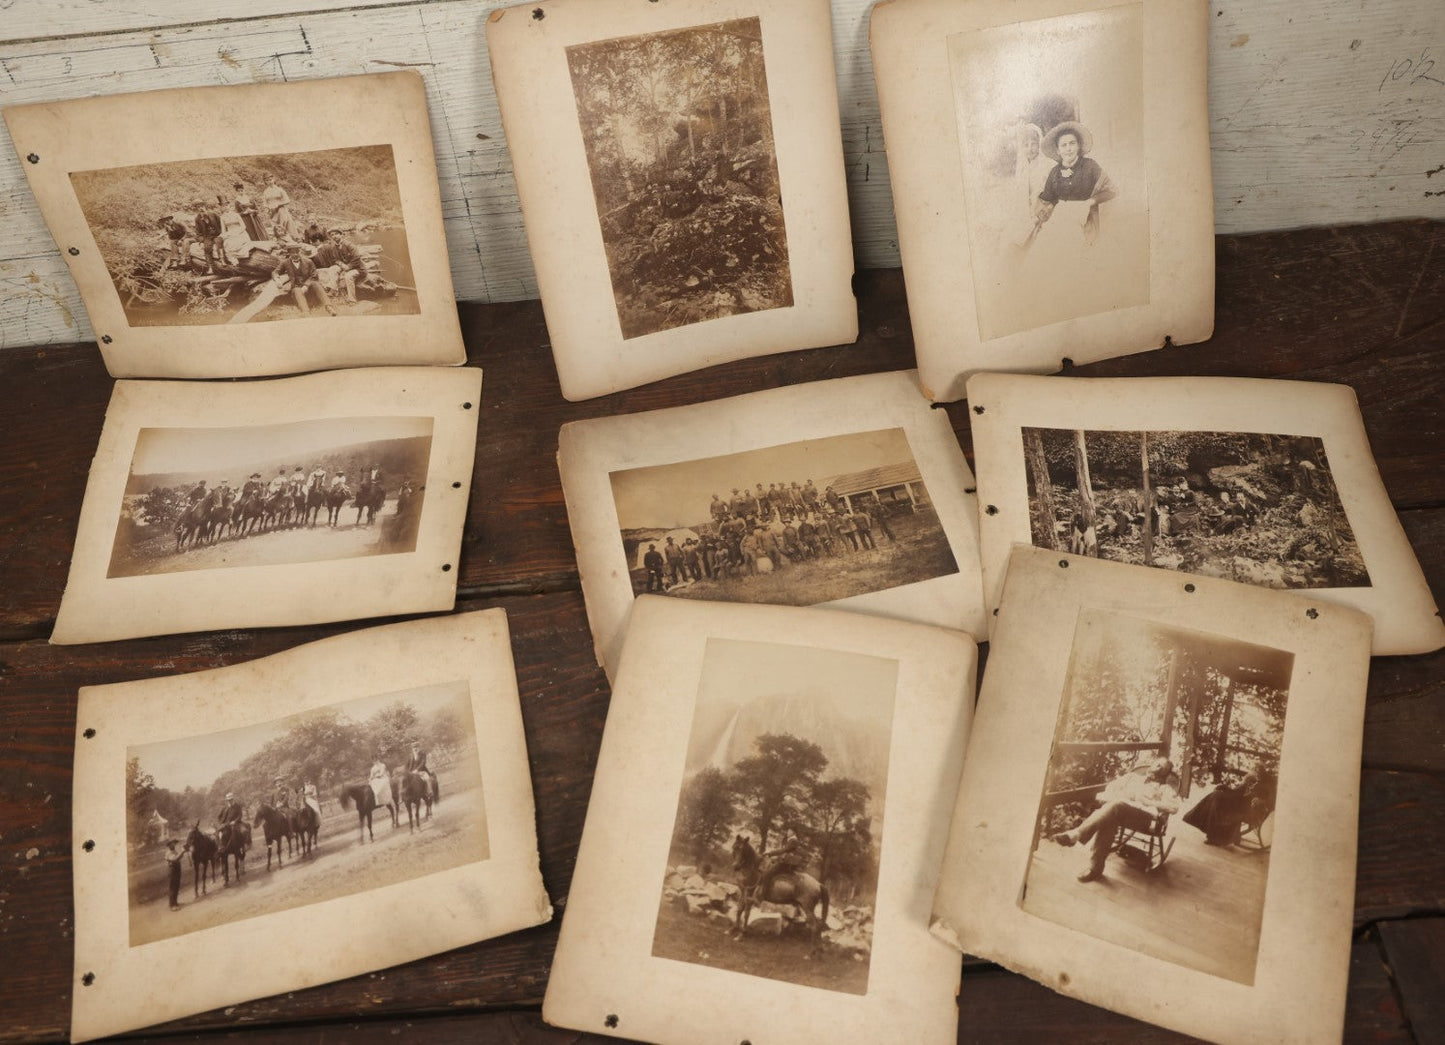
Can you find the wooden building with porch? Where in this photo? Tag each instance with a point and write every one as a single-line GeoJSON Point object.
{"type": "Point", "coordinates": [898, 487]}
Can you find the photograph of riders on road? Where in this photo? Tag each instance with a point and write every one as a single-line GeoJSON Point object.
{"type": "Point", "coordinates": [238, 239]}
{"type": "Point", "coordinates": [796, 524]}
{"type": "Point", "coordinates": [1051, 126]}
{"type": "Point", "coordinates": [678, 132]}
{"type": "Point", "coordinates": [306, 491]}
{"type": "Point", "coordinates": [335, 801]}
{"type": "Point", "coordinates": [1252, 507]}
{"type": "Point", "coordinates": [1157, 817]}
{"type": "Point", "coordinates": [773, 867]}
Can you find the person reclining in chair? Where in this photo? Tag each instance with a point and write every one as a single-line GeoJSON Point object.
{"type": "Point", "coordinates": [1130, 801]}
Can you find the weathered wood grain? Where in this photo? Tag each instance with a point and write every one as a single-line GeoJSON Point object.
{"type": "Point", "coordinates": [1332, 118]}
{"type": "Point", "coordinates": [1415, 950]}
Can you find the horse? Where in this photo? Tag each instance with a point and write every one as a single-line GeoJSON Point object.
{"type": "Point", "coordinates": [246, 513]}
{"type": "Point", "coordinates": [193, 524]}
{"type": "Point", "coordinates": [315, 500]}
{"type": "Point", "coordinates": [802, 891]}
{"type": "Point", "coordinates": [238, 840]}
{"type": "Point", "coordinates": [365, 799]}
{"type": "Point", "coordinates": [203, 857]}
{"type": "Point", "coordinates": [276, 509]}
{"type": "Point", "coordinates": [413, 790]}
{"type": "Point", "coordinates": [278, 825]}
{"type": "Point", "coordinates": [308, 825]}
{"type": "Point", "coordinates": [336, 499]}
{"type": "Point", "coordinates": [369, 500]}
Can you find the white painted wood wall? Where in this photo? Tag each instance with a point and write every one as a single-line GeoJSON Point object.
{"type": "Point", "coordinates": [1323, 112]}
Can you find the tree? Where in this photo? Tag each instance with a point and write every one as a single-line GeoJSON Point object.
{"type": "Point", "coordinates": [446, 733]}
{"type": "Point", "coordinates": [391, 731]}
{"type": "Point", "coordinates": [836, 809]}
{"type": "Point", "coordinates": [1043, 488]}
{"type": "Point", "coordinates": [138, 805]}
{"type": "Point", "coordinates": [772, 785]}
{"type": "Point", "coordinates": [705, 812]}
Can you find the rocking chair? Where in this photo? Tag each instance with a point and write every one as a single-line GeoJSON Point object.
{"type": "Point", "coordinates": [1145, 848]}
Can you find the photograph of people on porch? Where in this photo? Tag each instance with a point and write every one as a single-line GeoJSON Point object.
{"type": "Point", "coordinates": [1154, 827]}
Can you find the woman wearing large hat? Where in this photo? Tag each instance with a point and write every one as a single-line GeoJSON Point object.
{"type": "Point", "coordinates": [1076, 178]}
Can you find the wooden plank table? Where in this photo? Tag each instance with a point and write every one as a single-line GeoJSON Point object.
{"type": "Point", "coordinates": [1362, 305]}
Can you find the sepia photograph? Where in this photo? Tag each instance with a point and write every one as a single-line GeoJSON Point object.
{"type": "Point", "coordinates": [1252, 507]}
{"type": "Point", "coordinates": [242, 239]}
{"type": "Point", "coordinates": [1051, 125]}
{"type": "Point", "coordinates": [1155, 825]}
{"type": "Point", "coordinates": [794, 524]}
{"type": "Point", "coordinates": [773, 867]}
{"type": "Point", "coordinates": [338, 800]}
{"type": "Point", "coordinates": [678, 132]}
{"type": "Point", "coordinates": [208, 498]}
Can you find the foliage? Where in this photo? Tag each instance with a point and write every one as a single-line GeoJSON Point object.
{"type": "Point", "coordinates": [706, 811]}
{"type": "Point", "coordinates": [774, 784]}
{"type": "Point", "coordinates": [139, 786]}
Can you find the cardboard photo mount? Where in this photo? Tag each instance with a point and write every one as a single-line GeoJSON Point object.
{"type": "Point", "coordinates": [910, 44]}
{"type": "Point", "coordinates": [1299, 979]}
{"type": "Point", "coordinates": [1398, 598]}
{"type": "Point", "coordinates": [528, 50]}
{"type": "Point", "coordinates": [55, 139]}
{"type": "Point", "coordinates": [589, 451]}
{"type": "Point", "coordinates": [97, 607]}
{"type": "Point", "coordinates": [605, 978]}
{"type": "Point", "coordinates": [129, 987]}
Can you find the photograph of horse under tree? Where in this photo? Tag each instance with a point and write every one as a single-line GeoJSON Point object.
{"type": "Point", "coordinates": [1157, 815]}
{"type": "Point", "coordinates": [773, 866]}
{"type": "Point", "coordinates": [678, 132]}
{"type": "Point", "coordinates": [1252, 507]}
{"type": "Point", "coordinates": [260, 495]}
{"type": "Point", "coordinates": [346, 798]}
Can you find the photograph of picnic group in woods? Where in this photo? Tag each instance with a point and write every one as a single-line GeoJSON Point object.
{"type": "Point", "coordinates": [346, 798]}
{"type": "Point", "coordinates": [306, 491]}
{"type": "Point", "coordinates": [773, 867]}
{"type": "Point", "coordinates": [678, 132]}
{"type": "Point", "coordinates": [795, 524]}
{"type": "Point", "coordinates": [239, 239]}
{"type": "Point", "coordinates": [1157, 817]}
{"type": "Point", "coordinates": [1051, 126]}
{"type": "Point", "coordinates": [1246, 506]}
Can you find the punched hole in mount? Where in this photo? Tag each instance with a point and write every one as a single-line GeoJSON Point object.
{"type": "Point", "coordinates": [88, 733]}
{"type": "Point", "coordinates": [1189, 587]}
{"type": "Point", "coordinates": [611, 1020]}
{"type": "Point", "coordinates": [1063, 564]}
{"type": "Point", "coordinates": [33, 158]}
{"type": "Point", "coordinates": [991, 509]}
{"type": "Point", "coordinates": [106, 339]}
{"type": "Point", "coordinates": [1312, 613]}
{"type": "Point", "coordinates": [88, 979]}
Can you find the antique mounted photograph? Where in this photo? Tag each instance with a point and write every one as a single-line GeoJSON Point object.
{"type": "Point", "coordinates": [207, 498]}
{"type": "Point", "coordinates": [1051, 126]}
{"type": "Point", "coordinates": [1166, 752]}
{"type": "Point", "coordinates": [248, 239]}
{"type": "Point", "coordinates": [1158, 812]}
{"type": "Point", "coordinates": [851, 493]}
{"type": "Point", "coordinates": [773, 868]}
{"type": "Point", "coordinates": [663, 181]}
{"type": "Point", "coordinates": [1051, 170]}
{"type": "Point", "coordinates": [866, 524]}
{"type": "Point", "coordinates": [764, 872]}
{"type": "Point", "coordinates": [678, 129]}
{"type": "Point", "coordinates": [201, 242]}
{"type": "Point", "coordinates": [1269, 483]}
{"type": "Point", "coordinates": [310, 791]}
{"type": "Point", "coordinates": [1251, 507]}
{"type": "Point", "coordinates": [332, 496]}
{"type": "Point", "coordinates": [305, 817]}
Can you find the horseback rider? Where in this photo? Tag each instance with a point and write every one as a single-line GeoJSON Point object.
{"type": "Point", "coordinates": [317, 479]}
{"type": "Point", "coordinates": [298, 481]}
{"type": "Point", "coordinates": [380, 782]}
{"type": "Point", "coordinates": [309, 796]}
{"type": "Point", "coordinates": [417, 764]}
{"type": "Point", "coordinates": [253, 486]}
{"type": "Point", "coordinates": [196, 493]}
{"type": "Point", "coordinates": [788, 858]}
{"type": "Point", "coordinates": [283, 796]}
{"type": "Point", "coordinates": [231, 814]}
{"type": "Point", "coordinates": [277, 484]}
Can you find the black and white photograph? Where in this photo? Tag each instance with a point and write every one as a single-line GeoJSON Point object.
{"type": "Point", "coordinates": [678, 132]}
{"type": "Point", "coordinates": [795, 524]}
{"type": "Point", "coordinates": [209, 498]}
{"type": "Point", "coordinates": [1252, 507]}
{"type": "Point", "coordinates": [243, 239]}
{"type": "Point", "coordinates": [773, 866]}
{"type": "Point", "coordinates": [1051, 125]}
{"type": "Point", "coordinates": [334, 801]}
{"type": "Point", "coordinates": [1157, 817]}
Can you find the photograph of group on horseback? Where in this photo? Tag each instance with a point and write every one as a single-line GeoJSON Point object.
{"type": "Point", "coordinates": [237, 239]}
{"type": "Point", "coordinates": [341, 799]}
{"type": "Point", "coordinates": [208, 498]}
{"type": "Point", "coordinates": [679, 137]}
{"type": "Point", "coordinates": [773, 866]}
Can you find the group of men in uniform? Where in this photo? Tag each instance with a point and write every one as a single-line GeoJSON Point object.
{"type": "Point", "coordinates": [295, 484]}
{"type": "Point", "coordinates": [759, 531]}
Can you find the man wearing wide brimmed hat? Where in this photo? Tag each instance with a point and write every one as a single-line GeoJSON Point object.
{"type": "Point", "coordinates": [1078, 178]}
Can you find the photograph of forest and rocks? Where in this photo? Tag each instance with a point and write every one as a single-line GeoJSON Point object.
{"type": "Point", "coordinates": [678, 132]}
{"type": "Point", "coordinates": [1252, 507]}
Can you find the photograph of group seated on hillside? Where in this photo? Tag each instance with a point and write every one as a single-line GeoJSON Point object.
{"type": "Point", "coordinates": [1157, 814]}
{"type": "Point", "coordinates": [239, 239]}
{"type": "Point", "coordinates": [795, 524]}
{"type": "Point", "coordinates": [1251, 507]}
{"type": "Point", "coordinates": [678, 131]}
